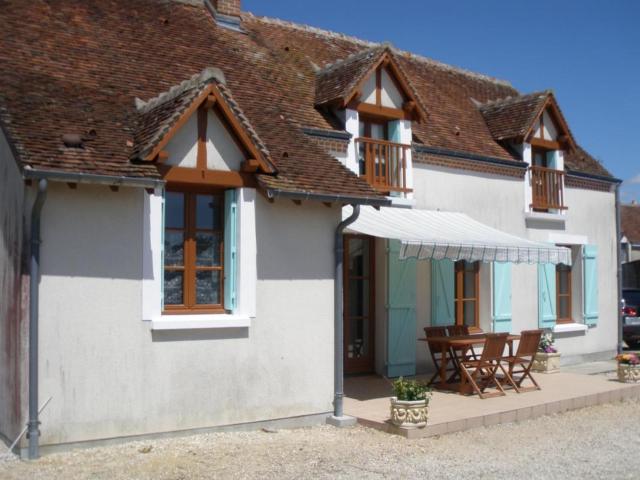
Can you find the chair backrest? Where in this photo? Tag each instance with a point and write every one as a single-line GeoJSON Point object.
{"type": "Point", "coordinates": [493, 347]}
{"type": "Point", "coordinates": [529, 341]}
{"type": "Point", "coordinates": [455, 330]}
{"type": "Point", "coordinates": [431, 332]}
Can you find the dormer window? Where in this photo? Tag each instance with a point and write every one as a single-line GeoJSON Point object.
{"type": "Point", "coordinates": [377, 105]}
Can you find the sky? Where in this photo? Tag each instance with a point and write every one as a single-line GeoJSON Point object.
{"type": "Point", "coordinates": [586, 51]}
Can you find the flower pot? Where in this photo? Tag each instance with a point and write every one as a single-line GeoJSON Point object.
{"type": "Point", "coordinates": [409, 414]}
{"type": "Point", "coordinates": [546, 362]}
{"type": "Point", "coordinates": [628, 373]}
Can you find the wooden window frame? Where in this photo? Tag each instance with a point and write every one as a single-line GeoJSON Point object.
{"type": "Point", "coordinates": [189, 267]}
{"type": "Point", "coordinates": [459, 291]}
{"type": "Point", "coordinates": [569, 295]}
{"type": "Point", "coordinates": [363, 364]}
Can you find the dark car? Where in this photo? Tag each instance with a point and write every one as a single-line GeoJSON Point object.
{"type": "Point", "coordinates": [631, 315]}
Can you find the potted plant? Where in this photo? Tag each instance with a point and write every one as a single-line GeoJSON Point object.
{"type": "Point", "coordinates": [547, 359]}
{"type": "Point", "coordinates": [410, 403]}
{"type": "Point", "coordinates": [628, 367]}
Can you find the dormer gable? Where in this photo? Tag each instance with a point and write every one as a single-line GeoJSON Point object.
{"type": "Point", "coordinates": [534, 118]}
{"type": "Point", "coordinates": [196, 133]}
{"type": "Point", "coordinates": [371, 81]}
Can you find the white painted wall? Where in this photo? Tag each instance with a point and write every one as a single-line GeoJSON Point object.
{"type": "Point", "coordinates": [369, 90]}
{"type": "Point", "coordinates": [550, 130]}
{"type": "Point", "coordinates": [110, 375]}
{"type": "Point", "coordinates": [12, 324]}
{"type": "Point", "coordinates": [183, 146]}
{"type": "Point", "coordinates": [223, 152]}
{"type": "Point", "coordinates": [390, 95]}
{"type": "Point", "coordinates": [590, 219]}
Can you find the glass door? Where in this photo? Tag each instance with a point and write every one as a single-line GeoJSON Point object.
{"type": "Point", "coordinates": [358, 304]}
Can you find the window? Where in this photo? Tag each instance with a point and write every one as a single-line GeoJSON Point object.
{"type": "Point", "coordinates": [194, 252]}
{"type": "Point", "coordinates": [563, 293]}
{"type": "Point", "coordinates": [467, 293]}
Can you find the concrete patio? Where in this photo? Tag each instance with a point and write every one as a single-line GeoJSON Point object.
{"type": "Point", "coordinates": [367, 399]}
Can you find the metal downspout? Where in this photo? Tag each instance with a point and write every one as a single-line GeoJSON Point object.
{"type": "Point", "coordinates": [338, 380]}
{"type": "Point", "coordinates": [619, 259]}
{"type": "Point", "coordinates": [33, 432]}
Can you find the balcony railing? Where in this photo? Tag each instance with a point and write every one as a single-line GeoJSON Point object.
{"type": "Point", "coordinates": [547, 188]}
{"type": "Point", "coordinates": [383, 164]}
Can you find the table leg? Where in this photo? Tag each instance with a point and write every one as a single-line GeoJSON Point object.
{"type": "Point", "coordinates": [443, 364]}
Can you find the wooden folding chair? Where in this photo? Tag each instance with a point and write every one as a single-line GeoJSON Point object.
{"type": "Point", "coordinates": [481, 373]}
{"type": "Point", "coordinates": [455, 330]}
{"type": "Point", "coordinates": [435, 351]}
{"type": "Point", "coordinates": [520, 364]}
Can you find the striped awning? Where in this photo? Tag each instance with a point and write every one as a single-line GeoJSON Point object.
{"type": "Point", "coordinates": [433, 234]}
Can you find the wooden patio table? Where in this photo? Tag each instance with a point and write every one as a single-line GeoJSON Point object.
{"type": "Point", "coordinates": [458, 343]}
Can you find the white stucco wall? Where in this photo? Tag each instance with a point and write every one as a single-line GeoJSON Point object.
{"type": "Point", "coordinates": [498, 201]}
{"type": "Point", "coordinates": [110, 375]}
{"type": "Point", "coordinates": [12, 325]}
{"type": "Point", "coordinates": [183, 147]}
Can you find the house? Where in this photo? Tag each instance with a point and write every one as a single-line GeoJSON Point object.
{"type": "Point", "coordinates": [630, 229]}
{"type": "Point", "coordinates": [190, 193]}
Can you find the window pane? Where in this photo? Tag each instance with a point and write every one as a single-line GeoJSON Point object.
{"type": "Point", "coordinates": [563, 280]}
{"type": "Point", "coordinates": [174, 210]}
{"type": "Point", "coordinates": [358, 257]}
{"type": "Point", "coordinates": [358, 338]}
{"type": "Point", "coordinates": [208, 287]}
{"type": "Point", "coordinates": [208, 249]}
{"type": "Point", "coordinates": [208, 212]}
{"type": "Point", "coordinates": [173, 248]}
{"type": "Point", "coordinates": [564, 309]}
{"type": "Point", "coordinates": [469, 282]}
{"type": "Point", "coordinates": [359, 298]}
{"type": "Point", "coordinates": [173, 288]}
{"type": "Point", "coordinates": [469, 313]}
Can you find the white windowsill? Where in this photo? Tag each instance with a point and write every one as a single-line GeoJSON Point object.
{"type": "Point", "coordinates": [191, 322]}
{"type": "Point", "coordinates": [569, 327]}
{"type": "Point", "coordinates": [402, 202]}
{"type": "Point", "coordinates": [549, 217]}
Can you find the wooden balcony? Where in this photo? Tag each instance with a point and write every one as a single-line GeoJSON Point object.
{"type": "Point", "coordinates": [383, 164]}
{"type": "Point", "coordinates": [547, 187]}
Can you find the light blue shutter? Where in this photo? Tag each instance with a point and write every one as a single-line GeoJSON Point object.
{"type": "Point", "coordinates": [394, 131]}
{"type": "Point", "coordinates": [552, 159]}
{"type": "Point", "coordinates": [502, 297]}
{"type": "Point", "coordinates": [590, 269]}
{"type": "Point", "coordinates": [443, 283]}
{"type": "Point", "coordinates": [401, 336]}
{"type": "Point", "coordinates": [230, 247]}
{"type": "Point", "coordinates": [546, 295]}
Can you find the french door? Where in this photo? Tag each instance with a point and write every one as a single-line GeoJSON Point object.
{"type": "Point", "coordinates": [358, 293]}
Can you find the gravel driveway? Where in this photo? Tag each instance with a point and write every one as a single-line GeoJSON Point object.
{"type": "Point", "coordinates": [596, 442]}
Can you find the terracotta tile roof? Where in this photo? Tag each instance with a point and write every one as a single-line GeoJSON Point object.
{"type": "Point", "coordinates": [630, 222]}
{"type": "Point", "coordinates": [512, 117]}
{"type": "Point", "coordinates": [77, 66]}
{"type": "Point", "coordinates": [337, 80]}
{"type": "Point", "coordinates": [581, 161]}
{"type": "Point", "coordinates": [159, 114]}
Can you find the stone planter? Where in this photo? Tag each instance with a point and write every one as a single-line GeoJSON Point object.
{"type": "Point", "coordinates": [409, 414]}
{"type": "Point", "coordinates": [546, 362]}
{"type": "Point", "coordinates": [628, 373]}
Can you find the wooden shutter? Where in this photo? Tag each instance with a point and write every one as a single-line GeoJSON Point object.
{"type": "Point", "coordinates": [401, 335]}
{"type": "Point", "coordinates": [502, 297]}
{"type": "Point", "coordinates": [230, 250]}
{"type": "Point", "coordinates": [590, 269]}
{"type": "Point", "coordinates": [443, 284]}
{"type": "Point", "coordinates": [546, 295]}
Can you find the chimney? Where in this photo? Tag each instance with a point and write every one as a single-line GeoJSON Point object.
{"type": "Point", "coordinates": [226, 13]}
{"type": "Point", "coordinates": [227, 7]}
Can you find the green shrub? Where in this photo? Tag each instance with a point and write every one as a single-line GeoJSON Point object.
{"type": "Point", "coordinates": [410, 390]}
